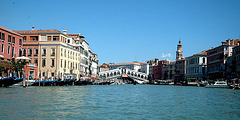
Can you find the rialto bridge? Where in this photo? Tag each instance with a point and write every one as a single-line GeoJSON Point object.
{"type": "Point", "coordinates": [125, 72]}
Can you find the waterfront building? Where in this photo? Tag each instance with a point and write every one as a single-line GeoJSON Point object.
{"type": "Point", "coordinates": [10, 44]}
{"type": "Point", "coordinates": [152, 63]}
{"type": "Point", "coordinates": [57, 54]}
{"type": "Point", "coordinates": [158, 69]}
{"type": "Point", "coordinates": [94, 65]}
{"type": "Point", "coordinates": [171, 70]}
{"type": "Point", "coordinates": [81, 44]}
{"type": "Point", "coordinates": [217, 57]}
{"type": "Point", "coordinates": [196, 67]}
{"type": "Point", "coordinates": [136, 66]}
{"type": "Point", "coordinates": [165, 71]}
{"type": "Point", "coordinates": [145, 68]}
{"type": "Point", "coordinates": [233, 64]}
{"type": "Point", "coordinates": [40, 46]}
{"type": "Point", "coordinates": [236, 61]}
{"type": "Point", "coordinates": [103, 67]}
{"type": "Point", "coordinates": [180, 71]}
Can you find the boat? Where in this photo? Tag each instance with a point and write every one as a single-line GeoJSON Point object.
{"type": "Point", "coordinates": [28, 83]}
{"type": "Point", "coordinates": [218, 84]}
{"type": "Point", "coordinates": [6, 82]}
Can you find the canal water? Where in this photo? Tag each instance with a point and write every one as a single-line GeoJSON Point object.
{"type": "Point", "coordinates": [119, 102]}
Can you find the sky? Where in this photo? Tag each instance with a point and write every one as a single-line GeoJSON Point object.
{"type": "Point", "coordinates": [131, 30]}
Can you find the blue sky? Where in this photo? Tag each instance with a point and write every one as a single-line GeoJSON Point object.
{"type": "Point", "coordinates": [131, 30]}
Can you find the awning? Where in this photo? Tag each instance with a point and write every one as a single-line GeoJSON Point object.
{"type": "Point", "coordinates": [1, 56]}
{"type": "Point", "coordinates": [23, 58]}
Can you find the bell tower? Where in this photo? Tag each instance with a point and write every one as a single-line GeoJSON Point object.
{"type": "Point", "coordinates": [179, 52]}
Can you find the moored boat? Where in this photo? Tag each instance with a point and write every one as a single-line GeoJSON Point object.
{"type": "Point", "coordinates": [6, 82]}
{"type": "Point", "coordinates": [218, 84]}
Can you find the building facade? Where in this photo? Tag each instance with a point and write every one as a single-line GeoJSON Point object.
{"type": "Point", "coordinates": [217, 57]}
{"type": "Point", "coordinates": [57, 54]}
{"type": "Point", "coordinates": [233, 64]}
{"type": "Point", "coordinates": [136, 66]}
{"type": "Point", "coordinates": [196, 67]}
{"type": "Point", "coordinates": [171, 70]}
{"type": "Point", "coordinates": [10, 44]}
{"type": "Point", "coordinates": [94, 65]}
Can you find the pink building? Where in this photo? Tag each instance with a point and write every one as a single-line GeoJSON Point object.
{"type": "Point", "coordinates": [10, 44]}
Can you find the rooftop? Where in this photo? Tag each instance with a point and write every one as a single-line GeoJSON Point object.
{"type": "Point", "coordinates": [37, 31]}
{"type": "Point", "coordinates": [13, 32]}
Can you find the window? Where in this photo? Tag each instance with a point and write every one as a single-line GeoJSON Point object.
{"type": "Point", "coordinates": [52, 65]}
{"type": "Point", "coordinates": [36, 51]}
{"type": "Point", "coordinates": [65, 64]}
{"type": "Point", "coordinates": [44, 52]}
{"type": "Point", "coordinates": [61, 51]}
{"type": "Point", "coordinates": [65, 53]}
{"type": "Point", "coordinates": [68, 54]}
{"type": "Point", "coordinates": [55, 38]}
{"type": "Point", "coordinates": [35, 60]}
{"type": "Point", "coordinates": [9, 38]}
{"type": "Point", "coordinates": [68, 65]}
{"type": "Point", "coordinates": [203, 60]}
{"type": "Point", "coordinates": [68, 41]}
{"type": "Point", "coordinates": [52, 51]}
{"type": "Point", "coordinates": [12, 51]}
{"type": "Point", "coordinates": [20, 41]}
{"type": "Point", "coordinates": [29, 51]}
{"type": "Point", "coordinates": [2, 48]}
{"type": "Point", "coordinates": [61, 63]}
{"type": "Point", "coordinates": [73, 55]}
{"type": "Point", "coordinates": [9, 49]}
{"type": "Point", "coordinates": [24, 52]}
{"type": "Point", "coordinates": [3, 36]}
{"type": "Point", "coordinates": [49, 38]}
{"type": "Point", "coordinates": [13, 39]}
{"type": "Point", "coordinates": [24, 38]}
{"type": "Point", "coordinates": [43, 62]}
{"type": "Point", "coordinates": [33, 38]}
{"type": "Point", "coordinates": [43, 74]}
{"type": "Point", "coordinates": [0, 35]}
{"type": "Point", "coordinates": [52, 74]}
{"type": "Point", "coordinates": [20, 52]}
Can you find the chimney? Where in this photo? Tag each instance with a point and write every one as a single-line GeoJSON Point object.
{"type": "Point", "coordinates": [228, 41]}
{"type": "Point", "coordinates": [33, 28]}
{"type": "Point", "coordinates": [223, 43]}
{"type": "Point", "coordinates": [232, 42]}
{"type": "Point", "coordinates": [65, 32]}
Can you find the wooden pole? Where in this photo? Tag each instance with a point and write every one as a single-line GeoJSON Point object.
{"type": "Point", "coordinates": [24, 77]}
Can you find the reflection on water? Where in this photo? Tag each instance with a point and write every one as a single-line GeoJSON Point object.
{"type": "Point", "coordinates": [119, 102]}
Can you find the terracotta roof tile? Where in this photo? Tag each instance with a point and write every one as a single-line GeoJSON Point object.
{"type": "Point", "coordinates": [37, 31]}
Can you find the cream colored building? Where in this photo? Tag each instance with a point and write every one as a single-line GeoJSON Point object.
{"type": "Point", "coordinates": [58, 54]}
{"type": "Point", "coordinates": [63, 56]}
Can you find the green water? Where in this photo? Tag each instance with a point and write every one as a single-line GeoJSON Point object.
{"type": "Point", "coordinates": [119, 102]}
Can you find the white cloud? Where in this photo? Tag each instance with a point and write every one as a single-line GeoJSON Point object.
{"type": "Point", "coordinates": [166, 55]}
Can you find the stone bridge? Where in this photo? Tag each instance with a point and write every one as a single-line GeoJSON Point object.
{"type": "Point", "coordinates": [125, 72]}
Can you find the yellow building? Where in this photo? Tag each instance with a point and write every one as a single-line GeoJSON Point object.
{"type": "Point", "coordinates": [59, 57]}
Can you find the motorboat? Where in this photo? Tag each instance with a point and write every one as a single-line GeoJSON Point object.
{"type": "Point", "coordinates": [218, 84]}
